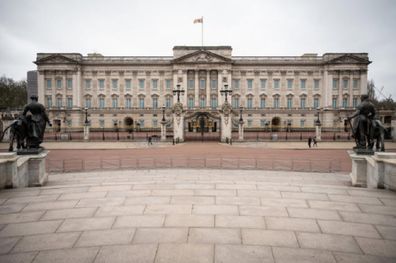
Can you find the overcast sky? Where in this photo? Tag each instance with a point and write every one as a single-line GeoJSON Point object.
{"type": "Point", "coordinates": [148, 27]}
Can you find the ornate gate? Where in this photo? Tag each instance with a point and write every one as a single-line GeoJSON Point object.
{"type": "Point", "coordinates": [202, 126]}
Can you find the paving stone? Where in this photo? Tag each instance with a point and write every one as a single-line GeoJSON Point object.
{"type": "Point", "coordinates": [201, 200]}
{"type": "Point", "coordinates": [18, 258]}
{"type": "Point", "coordinates": [120, 210]}
{"type": "Point", "coordinates": [46, 241]}
{"type": "Point", "coordinates": [32, 228]}
{"type": "Point", "coordinates": [214, 235]}
{"type": "Point", "coordinates": [105, 237]}
{"type": "Point", "coordinates": [99, 202]}
{"type": "Point", "coordinates": [388, 201]}
{"type": "Point", "coordinates": [269, 238]}
{"type": "Point", "coordinates": [109, 188]}
{"type": "Point", "coordinates": [325, 190]}
{"type": "Point", "coordinates": [77, 196]}
{"type": "Point", "coordinates": [32, 199]}
{"type": "Point", "coordinates": [285, 188]}
{"type": "Point", "coordinates": [74, 255]}
{"type": "Point", "coordinates": [194, 186]}
{"type": "Point", "coordinates": [189, 220]}
{"type": "Point", "coordinates": [387, 232]}
{"type": "Point", "coordinates": [168, 209]}
{"type": "Point", "coordinates": [155, 186]}
{"type": "Point", "coordinates": [262, 211]}
{"type": "Point", "coordinates": [236, 186]}
{"type": "Point", "coordinates": [147, 200]}
{"type": "Point", "coordinates": [299, 255]}
{"type": "Point", "coordinates": [259, 193]}
{"type": "Point", "coordinates": [240, 221]}
{"type": "Point", "coordinates": [161, 235]}
{"type": "Point", "coordinates": [216, 193]}
{"type": "Point", "coordinates": [305, 196]}
{"type": "Point", "coordinates": [215, 209]}
{"type": "Point", "coordinates": [356, 258]}
{"type": "Point", "coordinates": [182, 253]}
{"type": "Point", "coordinates": [11, 193]}
{"type": "Point", "coordinates": [313, 213]}
{"type": "Point", "coordinates": [11, 208]}
{"type": "Point", "coordinates": [334, 205]}
{"type": "Point", "coordinates": [50, 205]}
{"type": "Point", "coordinates": [237, 200]}
{"type": "Point", "coordinates": [69, 213]}
{"type": "Point", "coordinates": [373, 193]}
{"type": "Point", "coordinates": [355, 199]}
{"type": "Point", "coordinates": [126, 254]}
{"type": "Point", "coordinates": [369, 218]}
{"type": "Point", "coordinates": [376, 209]}
{"type": "Point", "coordinates": [172, 192]}
{"type": "Point", "coordinates": [246, 254]}
{"type": "Point", "coordinates": [7, 243]}
{"type": "Point", "coordinates": [131, 193]}
{"type": "Point", "coordinates": [139, 221]}
{"type": "Point", "coordinates": [346, 228]}
{"type": "Point", "coordinates": [63, 190]}
{"type": "Point", "coordinates": [295, 224]}
{"type": "Point", "coordinates": [328, 242]}
{"type": "Point", "coordinates": [377, 247]}
{"type": "Point", "coordinates": [283, 202]}
{"type": "Point", "coordinates": [20, 217]}
{"type": "Point", "coordinates": [82, 224]}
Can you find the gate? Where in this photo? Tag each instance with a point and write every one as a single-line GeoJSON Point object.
{"type": "Point", "coordinates": [202, 126]}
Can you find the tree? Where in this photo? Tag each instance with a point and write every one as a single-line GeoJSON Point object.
{"type": "Point", "coordinates": [385, 103]}
{"type": "Point", "coordinates": [12, 93]}
{"type": "Point", "coordinates": [371, 90]}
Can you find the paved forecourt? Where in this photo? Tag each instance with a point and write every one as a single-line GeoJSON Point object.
{"type": "Point", "coordinates": [197, 216]}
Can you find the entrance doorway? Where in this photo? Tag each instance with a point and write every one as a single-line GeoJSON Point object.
{"type": "Point", "coordinates": [202, 126]}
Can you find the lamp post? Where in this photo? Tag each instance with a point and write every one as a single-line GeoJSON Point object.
{"type": "Point", "coordinates": [163, 125]}
{"type": "Point", "coordinates": [225, 92]}
{"type": "Point", "coordinates": [163, 113]}
{"type": "Point", "coordinates": [86, 125]}
{"type": "Point", "coordinates": [86, 116]}
{"type": "Point", "coordinates": [318, 126]}
{"type": "Point", "coordinates": [240, 131]}
{"type": "Point", "coordinates": [178, 91]}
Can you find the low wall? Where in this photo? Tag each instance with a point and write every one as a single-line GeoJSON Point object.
{"type": "Point", "coordinates": [22, 170]}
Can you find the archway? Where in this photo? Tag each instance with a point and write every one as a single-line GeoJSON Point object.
{"type": "Point", "coordinates": [202, 126]}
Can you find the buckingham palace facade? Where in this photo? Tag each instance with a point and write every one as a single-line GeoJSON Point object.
{"type": "Point", "coordinates": [292, 91]}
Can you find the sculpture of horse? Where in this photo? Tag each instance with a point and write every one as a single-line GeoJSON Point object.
{"type": "Point", "coordinates": [18, 132]}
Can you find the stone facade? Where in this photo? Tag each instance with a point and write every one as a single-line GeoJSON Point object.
{"type": "Point", "coordinates": [280, 91]}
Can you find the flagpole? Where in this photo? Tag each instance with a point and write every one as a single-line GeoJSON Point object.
{"type": "Point", "coordinates": [202, 31]}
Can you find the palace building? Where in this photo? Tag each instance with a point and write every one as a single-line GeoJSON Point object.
{"type": "Point", "coordinates": [282, 91]}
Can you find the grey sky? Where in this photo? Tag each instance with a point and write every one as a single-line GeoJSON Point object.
{"type": "Point", "coordinates": [148, 27]}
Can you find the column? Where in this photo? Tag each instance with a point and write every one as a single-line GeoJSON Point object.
{"type": "Point", "coordinates": [40, 87]}
{"type": "Point", "coordinates": [196, 87]}
{"type": "Point", "coordinates": [207, 88]}
{"type": "Point", "coordinates": [240, 130]}
{"type": "Point", "coordinates": [77, 87]}
{"type": "Point", "coordinates": [363, 82]}
{"type": "Point", "coordinates": [163, 131]}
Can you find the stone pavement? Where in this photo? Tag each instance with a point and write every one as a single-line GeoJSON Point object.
{"type": "Point", "coordinates": [197, 216]}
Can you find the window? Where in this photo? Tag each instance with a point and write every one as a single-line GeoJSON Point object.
{"type": "Point", "coordinates": [250, 123]}
{"type": "Point", "coordinates": [190, 102]}
{"type": "Point", "coordinates": [101, 102]}
{"type": "Point", "coordinates": [102, 123]}
{"type": "Point", "coordinates": [249, 103]}
{"type": "Point", "coordinates": [48, 83]}
{"type": "Point", "coordinates": [155, 102]}
{"type": "Point", "coordinates": [202, 83]}
{"type": "Point", "coordinates": [276, 102]}
{"type": "Point", "coordinates": [345, 83]}
{"type": "Point", "coordinates": [168, 84]}
{"type": "Point", "coordinates": [202, 102]}
{"type": "Point", "coordinates": [213, 102]}
{"type": "Point", "coordinates": [155, 123]}
{"type": "Point", "coordinates": [168, 102]}
{"type": "Point", "coordinates": [101, 84]}
{"type": "Point", "coordinates": [334, 103]}
{"type": "Point", "coordinates": [302, 102]}
{"type": "Point", "coordinates": [302, 84]}
{"type": "Point", "coordinates": [316, 84]}
{"type": "Point", "coordinates": [128, 103]}
{"type": "Point", "coordinates": [235, 102]}
{"type": "Point", "coordinates": [191, 84]}
{"type": "Point", "coordinates": [114, 84]}
{"type": "Point", "coordinates": [316, 103]}
{"type": "Point", "coordinates": [141, 102]}
{"type": "Point", "coordinates": [335, 83]}
{"type": "Point", "coordinates": [354, 102]}
{"type": "Point", "coordinates": [355, 84]}
{"type": "Point", "coordinates": [250, 84]}
{"type": "Point", "coordinates": [345, 102]}
{"type": "Point", "coordinates": [48, 101]}
{"type": "Point", "coordinates": [235, 84]}
{"type": "Point", "coordinates": [128, 84]}
{"type": "Point", "coordinates": [213, 84]}
{"type": "Point", "coordinates": [289, 102]}
{"type": "Point", "coordinates": [114, 102]}
{"type": "Point", "coordinates": [262, 123]}
{"type": "Point", "coordinates": [141, 123]}
{"type": "Point", "coordinates": [154, 84]}
{"type": "Point", "coordinates": [302, 123]}
{"type": "Point", "coordinates": [69, 83]}
{"type": "Point", "coordinates": [59, 102]}
{"type": "Point", "coordinates": [262, 103]}
{"type": "Point", "coordinates": [88, 102]}
{"type": "Point", "coordinates": [141, 84]}
{"type": "Point", "coordinates": [263, 84]}
{"type": "Point", "coordinates": [290, 84]}
{"type": "Point", "coordinates": [59, 83]}
{"type": "Point", "coordinates": [87, 84]}
{"type": "Point", "coordinates": [276, 83]}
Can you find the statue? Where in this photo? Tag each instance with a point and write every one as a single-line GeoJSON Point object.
{"type": "Point", "coordinates": [364, 126]}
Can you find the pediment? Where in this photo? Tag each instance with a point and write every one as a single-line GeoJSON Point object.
{"type": "Point", "coordinates": [349, 59]}
{"type": "Point", "coordinates": [202, 56]}
{"type": "Point", "coordinates": [56, 59]}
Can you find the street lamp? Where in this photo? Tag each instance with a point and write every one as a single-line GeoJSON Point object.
{"type": "Point", "coordinates": [225, 92]}
{"type": "Point", "coordinates": [163, 113]}
{"type": "Point", "coordinates": [86, 116]}
{"type": "Point", "coordinates": [317, 122]}
{"type": "Point", "coordinates": [177, 91]}
{"type": "Point", "coordinates": [240, 113]}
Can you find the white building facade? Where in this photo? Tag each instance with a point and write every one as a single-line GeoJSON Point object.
{"type": "Point", "coordinates": [273, 91]}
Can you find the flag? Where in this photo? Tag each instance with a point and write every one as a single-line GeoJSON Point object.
{"type": "Point", "coordinates": [198, 20]}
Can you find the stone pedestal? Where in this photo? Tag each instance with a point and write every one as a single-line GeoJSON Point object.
{"type": "Point", "coordinates": [86, 132]}
{"type": "Point", "coordinates": [22, 171]}
{"type": "Point", "coordinates": [163, 131]}
{"type": "Point", "coordinates": [240, 131]}
{"type": "Point", "coordinates": [318, 132]}
{"type": "Point", "coordinates": [178, 127]}
{"type": "Point", "coordinates": [226, 128]}
{"type": "Point", "coordinates": [359, 169]}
